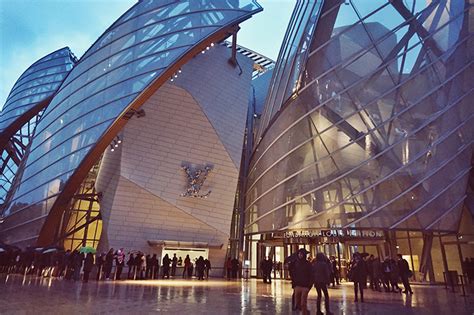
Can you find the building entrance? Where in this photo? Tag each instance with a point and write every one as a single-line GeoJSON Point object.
{"type": "Point", "coordinates": [338, 247]}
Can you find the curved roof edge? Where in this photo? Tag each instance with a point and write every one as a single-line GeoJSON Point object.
{"type": "Point", "coordinates": [47, 233]}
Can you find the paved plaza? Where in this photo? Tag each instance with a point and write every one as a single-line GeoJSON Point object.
{"type": "Point", "coordinates": [32, 295]}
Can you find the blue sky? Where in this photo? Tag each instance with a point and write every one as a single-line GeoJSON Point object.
{"type": "Point", "coordinates": [30, 29]}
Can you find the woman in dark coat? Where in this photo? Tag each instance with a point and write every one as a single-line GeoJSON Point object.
{"type": "Point", "coordinates": [88, 264]}
{"type": "Point", "coordinates": [358, 271]}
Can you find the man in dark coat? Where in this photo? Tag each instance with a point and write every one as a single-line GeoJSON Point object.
{"type": "Point", "coordinates": [322, 277]}
{"type": "Point", "coordinates": [302, 280]}
{"type": "Point", "coordinates": [109, 261]}
{"type": "Point", "coordinates": [405, 273]}
{"type": "Point", "coordinates": [88, 264]}
{"type": "Point", "coordinates": [358, 272]}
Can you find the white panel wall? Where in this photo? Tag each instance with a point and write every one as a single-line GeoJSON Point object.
{"type": "Point", "coordinates": [142, 182]}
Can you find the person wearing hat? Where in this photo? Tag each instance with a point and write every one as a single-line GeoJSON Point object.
{"type": "Point", "coordinates": [302, 280]}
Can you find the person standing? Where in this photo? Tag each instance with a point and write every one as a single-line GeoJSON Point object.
{"type": "Point", "coordinates": [109, 260]}
{"type": "Point", "coordinates": [119, 263]}
{"type": "Point", "coordinates": [228, 266]}
{"type": "Point", "coordinates": [322, 277]}
{"type": "Point", "coordinates": [154, 266]}
{"type": "Point", "coordinates": [377, 267]}
{"type": "Point", "coordinates": [77, 262]}
{"type": "Point", "coordinates": [334, 271]}
{"type": "Point", "coordinates": [386, 271]}
{"type": "Point", "coordinates": [302, 281]}
{"type": "Point", "coordinates": [88, 264]}
{"type": "Point", "coordinates": [200, 268]}
{"type": "Point", "coordinates": [394, 276]}
{"type": "Point", "coordinates": [405, 273]}
{"type": "Point", "coordinates": [130, 264]}
{"type": "Point", "coordinates": [267, 266]}
{"type": "Point", "coordinates": [148, 272]}
{"type": "Point", "coordinates": [166, 267]}
{"type": "Point", "coordinates": [174, 263]}
{"type": "Point", "coordinates": [235, 267]}
{"type": "Point", "coordinates": [187, 265]}
{"type": "Point", "coordinates": [207, 267]}
{"type": "Point", "coordinates": [358, 274]}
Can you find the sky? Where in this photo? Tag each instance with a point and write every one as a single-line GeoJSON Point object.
{"type": "Point", "coordinates": [31, 29]}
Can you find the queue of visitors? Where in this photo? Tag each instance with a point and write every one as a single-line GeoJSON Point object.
{"type": "Point", "coordinates": [55, 262]}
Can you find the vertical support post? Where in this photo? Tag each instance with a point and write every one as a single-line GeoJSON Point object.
{"type": "Point", "coordinates": [411, 256]}
{"type": "Point", "coordinates": [445, 262]}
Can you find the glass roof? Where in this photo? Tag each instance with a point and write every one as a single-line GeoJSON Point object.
{"type": "Point", "coordinates": [128, 57]}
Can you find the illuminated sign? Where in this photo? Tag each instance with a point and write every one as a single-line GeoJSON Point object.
{"type": "Point", "coordinates": [335, 233]}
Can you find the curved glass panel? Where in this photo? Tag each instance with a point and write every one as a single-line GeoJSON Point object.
{"type": "Point", "coordinates": [121, 64]}
{"type": "Point", "coordinates": [379, 132]}
{"type": "Point", "coordinates": [36, 84]}
{"type": "Point", "coordinates": [20, 113]}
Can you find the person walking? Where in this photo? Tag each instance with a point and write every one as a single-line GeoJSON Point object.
{"type": "Point", "coordinates": [302, 280]}
{"type": "Point", "coordinates": [322, 277]}
{"type": "Point", "coordinates": [358, 271]}
{"type": "Point", "coordinates": [405, 273]}
{"type": "Point", "coordinates": [88, 264]}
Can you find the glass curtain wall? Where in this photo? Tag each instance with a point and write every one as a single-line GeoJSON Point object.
{"type": "Point", "coordinates": [378, 130]}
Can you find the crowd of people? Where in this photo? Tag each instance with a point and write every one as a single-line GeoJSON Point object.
{"type": "Point", "coordinates": [322, 271]}
{"type": "Point", "coordinates": [70, 265]}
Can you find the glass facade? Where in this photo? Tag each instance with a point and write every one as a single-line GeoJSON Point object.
{"type": "Point", "coordinates": [26, 102]}
{"type": "Point", "coordinates": [377, 130]}
{"type": "Point", "coordinates": [132, 54]}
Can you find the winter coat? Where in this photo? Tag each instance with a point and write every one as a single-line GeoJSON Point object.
{"type": "Point", "coordinates": [302, 274]}
{"type": "Point", "coordinates": [359, 271]}
{"type": "Point", "coordinates": [321, 272]}
{"type": "Point", "coordinates": [88, 263]}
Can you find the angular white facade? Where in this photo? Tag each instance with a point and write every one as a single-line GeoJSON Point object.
{"type": "Point", "coordinates": [198, 119]}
